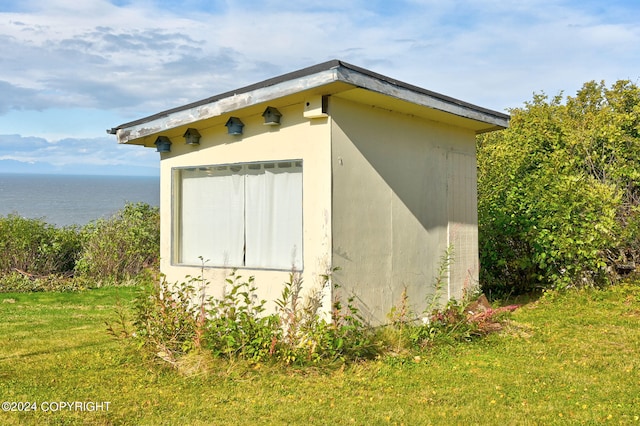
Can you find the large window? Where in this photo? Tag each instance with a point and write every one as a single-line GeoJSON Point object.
{"type": "Point", "coordinates": [239, 215]}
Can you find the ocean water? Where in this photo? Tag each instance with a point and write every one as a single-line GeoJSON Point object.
{"type": "Point", "coordinates": [73, 200]}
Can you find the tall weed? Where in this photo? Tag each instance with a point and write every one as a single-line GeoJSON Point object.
{"type": "Point", "coordinates": [165, 319]}
{"type": "Point", "coordinates": [456, 321]}
{"type": "Point", "coordinates": [309, 337]}
{"type": "Point", "coordinates": [237, 327]}
{"type": "Point", "coordinates": [170, 322]}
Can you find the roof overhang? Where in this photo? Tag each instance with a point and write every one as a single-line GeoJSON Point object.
{"type": "Point", "coordinates": [334, 78]}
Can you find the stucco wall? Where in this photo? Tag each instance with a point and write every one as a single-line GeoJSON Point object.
{"type": "Point", "coordinates": [295, 138]}
{"type": "Point", "coordinates": [402, 186]}
{"type": "Point", "coordinates": [463, 220]}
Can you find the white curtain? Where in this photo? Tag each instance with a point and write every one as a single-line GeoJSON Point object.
{"type": "Point", "coordinates": [273, 216]}
{"type": "Point", "coordinates": [212, 216]}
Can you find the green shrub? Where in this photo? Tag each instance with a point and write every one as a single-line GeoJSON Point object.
{"type": "Point", "coordinates": [449, 325]}
{"type": "Point", "coordinates": [558, 192]}
{"type": "Point", "coordinates": [237, 327]}
{"type": "Point", "coordinates": [173, 321]}
{"type": "Point", "coordinates": [120, 247]}
{"type": "Point", "coordinates": [307, 337]}
{"type": "Point", "coordinates": [457, 321]}
{"type": "Point", "coordinates": [35, 247]}
{"type": "Point", "coordinates": [35, 255]}
{"type": "Point", "coordinates": [165, 319]}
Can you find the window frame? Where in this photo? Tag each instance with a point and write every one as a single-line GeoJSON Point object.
{"type": "Point", "coordinates": [177, 208]}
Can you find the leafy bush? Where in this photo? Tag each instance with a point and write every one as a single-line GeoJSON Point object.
{"type": "Point", "coordinates": [34, 254]}
{"type": "Point", "coordinates": [176, 321]}
{"type": "Point", "coordinates": [558, 192]}
{"type": "Point", "coordinates": [449, 324]}
{"type": "Point", "coordinates": [309, 338]}
{"type": "Point", "coordinates": [165, 319]}
{"type": "Point", "coordinates": [35, 247]}
{"type": "Point", "coordinates": [348, 335]}
{"type": "Point", "coordinates": [173, 321]}
{"type": "Point", "coordinates": [120, 247]}
{"type": "Point", "coordinates": [456, 322]}
{"type": "Point", "coordinates": [236, 327]}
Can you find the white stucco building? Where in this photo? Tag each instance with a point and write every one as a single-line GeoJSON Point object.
{"type": "Point", "coordinates": [329, 166]}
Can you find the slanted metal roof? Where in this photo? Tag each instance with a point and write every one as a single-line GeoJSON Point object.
{"type": "Point", "coordinates": [335, 75]}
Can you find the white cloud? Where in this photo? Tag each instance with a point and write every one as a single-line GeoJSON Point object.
{"type": "Point", "coordinates": [96, 54]}
{"type": "Point", "coordinates": [72, 152]}
{"type": "Point", "coordinates": [129, 58]}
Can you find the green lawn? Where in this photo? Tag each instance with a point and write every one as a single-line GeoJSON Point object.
{"type": "Point", "coordinates": [567, 358]}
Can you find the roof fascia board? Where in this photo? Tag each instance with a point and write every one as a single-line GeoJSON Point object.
{"type": "Point", "coordinates": [299, 81]}
{"type": "Point", "coordinates": [419, 96]}
{"type": "Point", "coordinates": [221, 105]}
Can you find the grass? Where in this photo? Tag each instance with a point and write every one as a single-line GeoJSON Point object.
{"type": "Point", "coordinates": [566, 358]}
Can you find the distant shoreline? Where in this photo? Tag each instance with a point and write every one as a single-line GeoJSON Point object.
{"type": "Point", "coordinates": [73, 199]}
{"type": "Point", "coordinates": [46, 173]}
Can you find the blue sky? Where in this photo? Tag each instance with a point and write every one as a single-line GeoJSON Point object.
{"type": "Point", "coordinates": [70, 69]}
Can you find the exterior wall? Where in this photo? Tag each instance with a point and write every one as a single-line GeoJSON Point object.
{"type": "Point", "coordinates": [403, 189]}
{"type": "Point", "coordinates": [462, 203]}
{"type": "Point", "coordinates": [295, 138]}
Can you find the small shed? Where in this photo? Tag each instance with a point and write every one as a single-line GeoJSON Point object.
{"type": "Point", "coordinates": [332, 166]}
